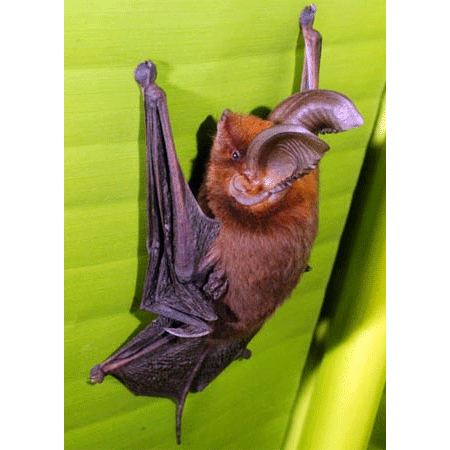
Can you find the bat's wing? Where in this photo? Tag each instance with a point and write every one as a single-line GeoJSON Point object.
{"type": "Point", "coordinates": [159, 364]}
{"type": "Point", "coordinates": [179, 233]}
{"type": "Point", "coordinates": [173, 355]}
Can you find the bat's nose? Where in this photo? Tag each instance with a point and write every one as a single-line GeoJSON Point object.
{"type": "Point", "coordinates": [251, 176]}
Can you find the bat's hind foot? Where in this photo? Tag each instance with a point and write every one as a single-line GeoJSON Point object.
{"type": "Point", "coordinates": [96, 376]}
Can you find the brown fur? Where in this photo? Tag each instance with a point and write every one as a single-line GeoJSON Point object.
{"type": "Point", "coordinates": [262, 249]}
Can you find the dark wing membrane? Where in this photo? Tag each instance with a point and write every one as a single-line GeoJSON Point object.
{"type": "Point", "coordinates": [156, 363]}
{"type": "Point", "coordinates": [179, 233]}
{"type": "Point", "coordinates": [159, 364]}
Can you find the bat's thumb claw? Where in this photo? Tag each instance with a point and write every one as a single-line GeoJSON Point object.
{"type": "Point", "coordinates": [307, 15]}
{"type": "Point", "coordinates": [145, 74]}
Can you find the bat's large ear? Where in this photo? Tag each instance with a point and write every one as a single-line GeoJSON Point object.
{"type": "Point", "coordinates": [283, 152]}
{"type": "Point", "coordinates": [275, 159]}
{"type": "Point", "coordinates": [319, 111]}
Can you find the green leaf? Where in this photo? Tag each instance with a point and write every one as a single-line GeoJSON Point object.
{"type": "Point", "coordinates": [210, 56]}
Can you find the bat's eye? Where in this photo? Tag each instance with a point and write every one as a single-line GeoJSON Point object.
{"type": "Point", "coordinates": [235, 156]}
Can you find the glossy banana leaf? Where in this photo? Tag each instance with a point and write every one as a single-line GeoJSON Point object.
{"type": "Point", "coordinates": [240, 55]}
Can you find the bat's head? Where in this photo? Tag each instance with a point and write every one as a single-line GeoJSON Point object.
{"type": "Point", "coordinates": [255, 162]}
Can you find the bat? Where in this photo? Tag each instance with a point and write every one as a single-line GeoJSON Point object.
{"type": "Point", "coordinates": [220, 265]}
